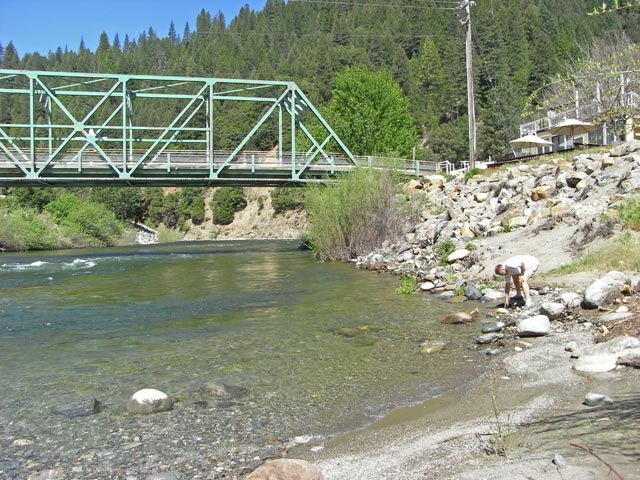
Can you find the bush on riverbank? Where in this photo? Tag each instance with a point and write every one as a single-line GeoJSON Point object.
{"type": "Point", "coordinates": [25, 229]}
{"type": "Point", "coordinates": [64, 221]}
{"type": "Point", "coordinates": [225, 203]}
{"type": "Point", "coordinates": [355, 215]}
{"type": "Point", "coordinates": [286, 198]}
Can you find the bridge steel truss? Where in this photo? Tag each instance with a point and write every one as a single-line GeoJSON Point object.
{"type": "Point", "coordinates": [73, 129]}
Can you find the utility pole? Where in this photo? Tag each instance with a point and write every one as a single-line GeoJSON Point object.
{"type": "Point", "coordinates": [466, 4]}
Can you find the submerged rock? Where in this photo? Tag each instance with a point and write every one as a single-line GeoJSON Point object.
{"type": "Point", "coordinates": [85, 409]}
{"type": "Point", "coordinates": [286, 469]}
{"type": "Point", "coordinates": [460, 317]}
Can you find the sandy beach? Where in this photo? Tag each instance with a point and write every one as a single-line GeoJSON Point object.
{"type": "Point", "coordinates": [539, 406]}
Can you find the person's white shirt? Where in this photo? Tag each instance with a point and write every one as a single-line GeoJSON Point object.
{"type": "Point", "coordinates": [513, 266]}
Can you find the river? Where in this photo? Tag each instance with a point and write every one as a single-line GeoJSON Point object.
{"type": "Point", "coordinates": [301, 348]}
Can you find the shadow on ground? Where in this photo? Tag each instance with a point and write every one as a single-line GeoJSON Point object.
{"type": "Point", "coordinates": [607, 429]}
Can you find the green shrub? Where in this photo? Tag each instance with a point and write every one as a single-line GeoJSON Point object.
{"type": "Point", "coordinates": [96, 221]}
{"type": "Point", "coordinates": [289, 198]}
{"type": "Point", "coordinates": [33, 197]}
{"type": "Point", "coordinates": [471, 173]}
{"type": "Point", "coordinates": [407, 285]}
{"type": "Point", "coordinates": [354, 215]}
{"type": "Point", "coordinates": [196, 210]}
{"type": "Point", "coordinates": [25, 229]}
{"type": "Point", "coordinates": [225, 203]}
{"type": "Point", "coordinates": [629, 212]}
{"type": "Point", "coordinates": [443, 250]}
{"type": "Point", "coordinates": [62, 206]}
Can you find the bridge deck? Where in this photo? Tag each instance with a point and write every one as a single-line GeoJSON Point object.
{"type": "Point", "coordinates": [183, 168]}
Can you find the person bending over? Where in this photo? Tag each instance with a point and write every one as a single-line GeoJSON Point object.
{"type": "Point", "coordinates": [519, 269]}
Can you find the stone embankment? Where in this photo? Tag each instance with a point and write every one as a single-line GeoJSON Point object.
{"type": "Point", "coordinates": [559, 208]}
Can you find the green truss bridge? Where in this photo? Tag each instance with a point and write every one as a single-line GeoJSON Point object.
{"type": "Point", "coordinates": [84, 129]}
{"type": "Point", "coordinates": [74, 129]}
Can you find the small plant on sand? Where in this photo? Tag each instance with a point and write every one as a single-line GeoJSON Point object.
{"type": "Point", "coordinates": [501, 435]}
{"type": "Point", "coordinates": [407, 286]}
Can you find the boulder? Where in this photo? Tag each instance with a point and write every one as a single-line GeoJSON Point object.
{"type": "Point", "coordinates": [286, 469]}
{"type": "Point", "coordinates": [432, 347]}
{"type": "Point", "coordinates": [571, 299]}
{"type": "Point", "coordinates": [491, 295]}
{"type": "Point", "coordinates": [458, 255]}
{"type": "Point", "coordinates": [149, 400]}
{"type": "Point", "coordinates": [541, 192]}
{"type": "Point", "coordinates": [603, 357]}
{"type": "Point", "coordinates": [593, 399]}
{"type": "Point", "coordinates": [488, 338]}
{"type": "Point", "coordinates": [215, 390]}
{"type": "Point", "coordinates": [472, 292]}
{"type": "Point", "coordinates": [575, 178]}
{"type": "Point", "coordinates": [625, 148]}
{"type": "Point", "coordinates": [427, 286]}
{"type": "Point", "coordinates": [553, 310]}
{"type": "Point", "coordinates": [614, 317]}
{"type": "Point", "coordinates": [492, 327]}
{"type": "Point", "coordinates": [605, 290]}
{"type": "Point", "coordinates": [536, 326]}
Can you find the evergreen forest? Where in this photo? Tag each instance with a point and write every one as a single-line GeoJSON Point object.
{"type": "Point", "coordinates": [517, 46]}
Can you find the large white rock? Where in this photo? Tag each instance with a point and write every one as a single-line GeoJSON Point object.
{"type": "Point", "coordinates": [536, 326]}
{"type": "Point", "coordinates": [149, 400]}
{"type": "Point", "coordinates": [458, 255]}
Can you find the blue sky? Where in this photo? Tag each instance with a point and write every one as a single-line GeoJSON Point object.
{"type": "Point", "coordinates": [44, 25]}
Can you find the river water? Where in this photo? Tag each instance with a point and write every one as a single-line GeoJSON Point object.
{"type": "Point", "coordinates": [301, 348]}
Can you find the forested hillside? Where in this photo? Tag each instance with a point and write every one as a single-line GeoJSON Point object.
{"type": "Point", "coordinates": [517, 46]}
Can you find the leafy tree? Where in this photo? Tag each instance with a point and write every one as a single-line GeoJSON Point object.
{"type": "Point", "coordinates": [125, 203]}
{"type": "Point", "coordinates": [33, 197]}
{"type": "Point", "coordinates": [370, 113]}
{"type": "Point", "coordinates": [62, 206]}
{"type": "Point", "coordinates": [605, 77]}
{"type": "Point", "coordinates": [191, 205]}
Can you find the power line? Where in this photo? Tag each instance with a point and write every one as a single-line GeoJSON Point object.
{"type": "Point", "coordinates": [451, 5]}
{"type": "Point", "coordinates": [321, 34]}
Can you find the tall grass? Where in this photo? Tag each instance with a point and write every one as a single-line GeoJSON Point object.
{"type": "Point", "coordinates": [355, 215]}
